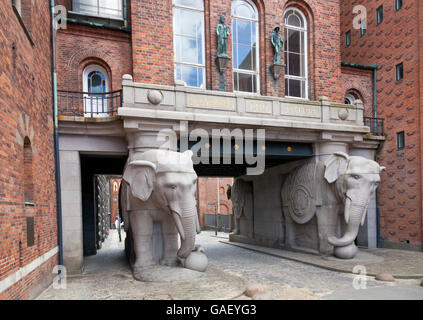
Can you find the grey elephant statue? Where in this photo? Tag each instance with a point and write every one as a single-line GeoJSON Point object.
{"type": "Point", "coordinates": [316, 193]}
{"type": "Point", "coordinates": [160, 186]}
{"type": "Point", "coordinates": [239, 192]}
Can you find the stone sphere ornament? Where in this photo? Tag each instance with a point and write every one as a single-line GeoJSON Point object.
{"type": "Point", "coordinates": [346, 252]}
{"type": "Point", "coordinates": [197, 260]}
{"type": "Point", "coordinates": [155, 97]}
{"type": "Point", "coordinates": [343, 114]}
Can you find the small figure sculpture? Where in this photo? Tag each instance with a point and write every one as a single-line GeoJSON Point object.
{"type": "Point", "coordinates": [278, 45]}
{"type": "Point", "coordinates": [222, 38]}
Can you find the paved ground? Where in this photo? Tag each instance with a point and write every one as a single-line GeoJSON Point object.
{"type": "Point", "coordinates": [107, 276]}
{"type": "Point", "coordinates": [401, 264]}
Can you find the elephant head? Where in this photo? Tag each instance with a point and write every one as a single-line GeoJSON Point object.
{"type": "Point", "coordinates": [356, 179]}
{"type": "Point", "coordinates": [168, 179]}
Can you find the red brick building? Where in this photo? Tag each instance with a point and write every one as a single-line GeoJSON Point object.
{"type": "Point", "coordinates": [392, 40]}
{"type": "Point", "coordinates": [212, 195]}
{"type": "Point", "coordinates": [325, 56]}
{"type": "Point", "coordinates": [28, 224]}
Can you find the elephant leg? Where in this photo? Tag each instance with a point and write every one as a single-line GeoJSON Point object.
{"type": "Point", "coordinates": [326, 227]}
{"type": "Point", "coordinates": [142, 231]}
{"type": "Point", "coordinates": [170, 242]}
{"type": "Point", "coordinates": [237, 229]}
{"type": "Point", "coordinates": [289, 232]}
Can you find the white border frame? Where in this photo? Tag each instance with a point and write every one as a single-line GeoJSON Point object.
{"type": "Point", "coordinates": [257, 71]}
{"type": "Point", "coordinates": [305, 30]}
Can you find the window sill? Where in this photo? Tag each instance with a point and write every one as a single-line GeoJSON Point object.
{"type": "Point", "coordinates": [98, 21]}
{"type": "Point", "coordinates": [18, 15]}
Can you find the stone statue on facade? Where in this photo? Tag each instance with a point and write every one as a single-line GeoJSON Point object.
{"type": "Point", "coordinates": [223, 33]}
{"type": "Point", "coordinates": [278, 47]}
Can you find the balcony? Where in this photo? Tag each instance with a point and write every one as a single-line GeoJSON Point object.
{"type": "Point", "coordinates": [376, 125]}
{"type": "Point", "coordinates": [85, 105]}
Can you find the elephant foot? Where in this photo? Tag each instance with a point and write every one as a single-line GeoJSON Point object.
{"type": "Point", "coordinates": [346, 252]}
{"type": "Point", "coordinates": [236, 232]}
{"type": "Point", "coordinates": [171, 262]}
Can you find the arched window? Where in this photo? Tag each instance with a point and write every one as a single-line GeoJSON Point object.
{"type": "Point", "coordinates": [349, 99]}
{"type": "Point", "coordinates": [296, 83]}
{"type": "Point", "coordinates": [188, 40]}
{"type": "Point", "coordinates": [95, 85]}
{"type": "Point", "coordinates": [245, 49]}
{"type": "Point", "coordinates": [28, 180]}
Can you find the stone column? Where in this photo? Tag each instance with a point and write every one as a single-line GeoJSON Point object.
{"type": "Point", "coordinates": [70, 179]}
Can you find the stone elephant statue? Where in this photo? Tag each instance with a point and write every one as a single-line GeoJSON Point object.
{"type": "Point", "coordinates": [340, 185]}
{"type": "Point", "coordinates": [239, 192]}
{"type": "Point", "coordinates": [160, 186]}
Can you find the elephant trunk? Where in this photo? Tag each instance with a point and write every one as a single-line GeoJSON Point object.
{"type": "Point", "coordinates": [354, 212]}
{"type": "Point", "coordinates": [186, 224]}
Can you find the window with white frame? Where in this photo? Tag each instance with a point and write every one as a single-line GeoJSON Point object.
{"type": "Point", "coordinates": [188, 28]}
{"type": "Point", "coordinates": [296, 77]}
{"type": "Point", "coordinates": [101, 8]}
{"type": "Point", "coordinates": [95, 86]}
{"type": "Point", "coordinates": [245, 46]}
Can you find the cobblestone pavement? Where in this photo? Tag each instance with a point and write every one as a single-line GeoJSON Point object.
{"type": "Point", "coordinates": [287, 275]}
{"type": "Point", "coordinates": [107, 276]}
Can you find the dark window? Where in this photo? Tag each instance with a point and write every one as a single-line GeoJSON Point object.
{"type": "Point", "coordinates": [348, 38]}
{"type": "Point", "coordinates": [363, 27]}
{"type": "Point", "coordinates": [398, 4]}
{"type": "Point", "coordinates": [400, 140]}
{"type": "Point", "coordinates": [379, 15]}
{"type": "Point", "coordinates": [28, 180]}
{"type": "Point", "coordinates": [399, 71]}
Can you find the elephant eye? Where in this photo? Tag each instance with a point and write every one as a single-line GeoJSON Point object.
{"type": "Point", "coordinates": [355, 176]}
{"type": "Point", "coordinates": [173, 187]}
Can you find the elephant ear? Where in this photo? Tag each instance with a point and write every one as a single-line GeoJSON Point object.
{"type": "Point", "coordinates": [140, 175]}
{"type": "Point", "coordinates": [335, 165]}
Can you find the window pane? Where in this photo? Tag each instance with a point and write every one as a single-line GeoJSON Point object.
{"type": "Point", "coordinates": [294, 88]}
{"type": "Point", "coordinates": [235, 55]}
{"type": "Point", "coordinates": [294, 20]}
{"type": "Point", "coordinates": [188, 21]}
{"type": "Point", "coordinates": [96, 83]}
{"type": "Point", "coordinates": [189, 51]}
{"type": "Point", "coordinates": [177, 44]}
{"type": "Point", "coordinates": [198, 4]}
{"type": "Point", "coordinates": [110, 8]}
{"type": "Point", "coordinates": [294, 64]}
{"type": "Point", "coordinates": [294, 41]}
{"type": "Point", "coordinates": [244, 58]}
{"type": "Point", "coordinates": [243, 9]}
{"type": "Point", "coordinates": [245, 82]}
{"type": "Point", "coordinates": [86, 6]}
{"type": "Point", "coordinates": [244, 32]}
{"type": "Point", "coordinates": [235, 30]}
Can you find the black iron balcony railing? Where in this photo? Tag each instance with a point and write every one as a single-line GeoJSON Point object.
{"type": "Point", "coordinates": [376, 125]}
{"type": "Point", "coordinates": [84, 104]}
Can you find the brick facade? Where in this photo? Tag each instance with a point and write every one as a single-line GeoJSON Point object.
{"type": "Point", "coordinates": [27, 178]}
{"type": "Point", "coordinates": [212, 191]}
{"type": "Point", "coordinates": [395, 40]}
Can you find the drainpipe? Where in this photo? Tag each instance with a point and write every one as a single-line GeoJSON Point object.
{"type": "Point", "coordinates": [56, 139]}
{"type": "Point", "coordinates": [372, 67]}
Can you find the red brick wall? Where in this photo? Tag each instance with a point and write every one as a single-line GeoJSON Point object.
{"type": "Point", "coordinates": [360, 83]}
{"type": "Point", "coordinates": [79, 46]}
{"type": "Point", "coordinates": [394, 41]}
{"type": "Point", "coordinates": [152, 44]}
{"type": "Point", "coordinates": [208, 196]}
{"type": "Point", "coordinates": [26, 110]}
